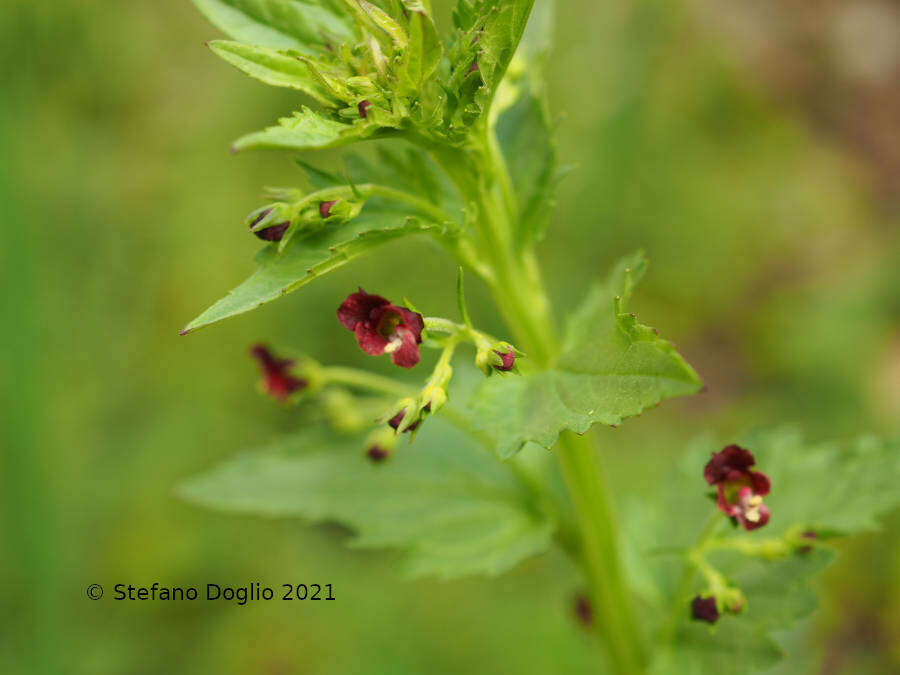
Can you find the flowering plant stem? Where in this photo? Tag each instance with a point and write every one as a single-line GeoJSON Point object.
{"type": "Point", "coordinates": [520, 295]}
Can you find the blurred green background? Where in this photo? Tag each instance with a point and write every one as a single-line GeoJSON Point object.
{"type": "Point", "coordinates": [752, 151]}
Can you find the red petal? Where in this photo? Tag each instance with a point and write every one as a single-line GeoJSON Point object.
{"type": "Point", "coordinates": [764, 514]}
{"type": "Point", "coordinates": [722, 503]}
{"type": "Point", "coordinates": [358, 307]}
{"type": "Point", "coordinates": [408, 354]}
{"type": "Point", "coordinates": [730, 459]}
{"type": "Point", "coordinates": [369, 340]}
{"type": "Point", "coordinates": [411, 320]}
{"type": "Point", "coordinates": [760, 483]}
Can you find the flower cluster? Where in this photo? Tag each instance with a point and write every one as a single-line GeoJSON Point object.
{"type": "Point", "coordinates": [382, 327]}
{"type": "Point", "coordinates": [740, 491]}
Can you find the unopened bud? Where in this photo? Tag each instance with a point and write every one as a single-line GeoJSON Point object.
{"type": "Point", "coordinates": [270, 222]}
{"type": "Point", "coordinates": [704, 609]}
{"type": "Point", "coordinates": [379, 445]}
{"type": "Point", "coordinates": [325, 208]}
{"type": "Point", "coordinates": [377, 454]}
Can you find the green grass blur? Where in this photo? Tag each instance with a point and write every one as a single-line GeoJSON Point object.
{"type": "Point", "coordinates": [774, 268]}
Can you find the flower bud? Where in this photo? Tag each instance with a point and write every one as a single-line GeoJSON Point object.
{"type": "Point", "coordinates": [435, 397]}
{"type": "Point", "coordinates": [379, 445]}
{"type": "Point", "coordinates": [507, 360]}
{"type": "Point", "coordinates": [395, 422]}
{"type": "Point", "coordinates": [269, 223]}
{"type": "Point", "coordinates": [500, 357]}
{"type": "Point", "coordinates": [704, 609]}
{"type": "Point", "coordinates": [732, 600]}
{"type": "Point", "coordinates": [325, 208]}
{"type": "Point", "coordinates": [377, 454]}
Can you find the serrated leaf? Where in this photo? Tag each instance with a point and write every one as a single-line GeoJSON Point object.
{"type": "Point", "coordinates": [304, 130]}
{"type": "Point", "coordinates": [278, 24]}
{"type": "Point", "coordinates": [277, 68]}
{"type": "Point", "coordinates": [829, 486]}
{"type": "Point", "coordinates": [307, 258]}
{"type": "Point", "coordinates": [832, 488]}
{"type": "Point", "coordinates": [611, 368]}
{"type": "Point", "coordinates": [488, 35]}
{"type": "Point", "coordinates": [447, 503]}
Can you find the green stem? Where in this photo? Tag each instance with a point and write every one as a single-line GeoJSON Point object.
{"type": "Point", "coordinates": [713, 522]}
{"type": "Point", "coordinates": [613, 608]}
{"type": "Point", "coordinates": [426, 207]}
{"type": "Point", "coordinates": [361, 379]}
{"type": "Point", "coordinates": [522, 300]}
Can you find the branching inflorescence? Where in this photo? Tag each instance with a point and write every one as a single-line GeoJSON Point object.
{"type": "Point", "coordinates": [466, 157]}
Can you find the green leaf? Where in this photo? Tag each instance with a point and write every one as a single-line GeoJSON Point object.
{"type": "Point", "coordinates": [307, 258]}
{"type": "Point", "coordinates": [503, 29]}
{"type": "Point", "coordinates": [384, 21]}
{"type": "Point", "coordinates": [408, 169]}
{"type": "Point", "coordinates": [447, 503]}
{"type": "Point", "coordinates": [277, 68]}
{"type": "Point", "coordinates": [829, 488]}
{"type": "Point", "coordinates": [278, 24]}
{"type": "Point", "coordinates": [305, 130]}
{"type": "Point", "coordinates": [527, 139]}
{"type": "Point", "coordinates": [422, 54]}
{"type": "Point", "coordinates": [611, 368]}
{"type": "Point", "coordinates": [778, 595]}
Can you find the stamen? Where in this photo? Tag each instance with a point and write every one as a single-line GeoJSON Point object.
{"type": "Point", "coordinates": [395, 344]}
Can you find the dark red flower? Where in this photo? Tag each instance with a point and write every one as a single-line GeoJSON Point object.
{"type": "Point", "coordinates": [362, 107]}
{"type": "Point", "coordinates": [277, 380]}
{"type": "Point", "coordinates": [740, 490]}
{"type": "Point", "coordinates": [377, 454]}
{"type": "Point", "coordinates": [381, 327]}
{"type": "Point", "coordinates": [508, 359]}
{"type": "Point", "coordinates": [325, 208]}
{"type": "Point", "coordinates": [704, 609]}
